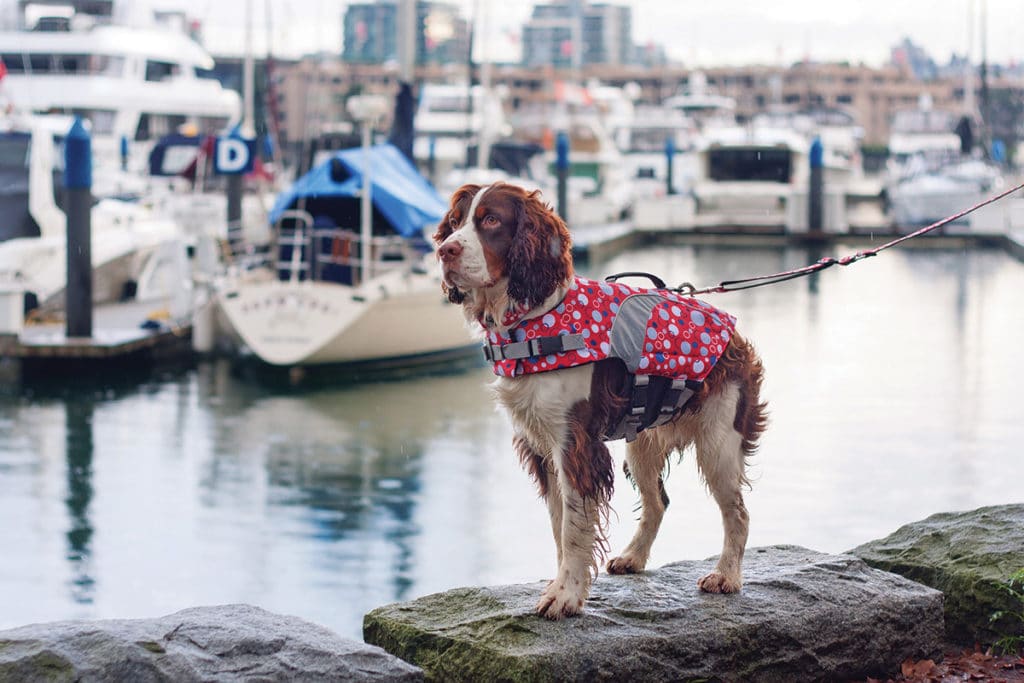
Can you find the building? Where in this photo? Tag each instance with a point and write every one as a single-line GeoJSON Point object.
{"type": "Point", "coordinates": [370, 33]}
{"type": "Point", "coordinates": [574, 33]}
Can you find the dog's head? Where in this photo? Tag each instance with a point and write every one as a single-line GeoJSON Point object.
{"type": "Point", "coordinates": [502, 235]}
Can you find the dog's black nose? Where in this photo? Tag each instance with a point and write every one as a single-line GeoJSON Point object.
{"type": "Point", "coordinates": [450, 251]}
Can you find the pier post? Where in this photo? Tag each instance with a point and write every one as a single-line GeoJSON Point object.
{"type": "Point", "coordinates": [78, 190]}
{"type": "Point", "coordinates": [124, 152]}
{"type": "Point", "coordinates": [815, 197]}
{"type": "Point", "coordinates": [670, 153]}
{"type": "Point", "coordinates": [562, 169]}
{"type": "Point", "coordinates": [234, 190]}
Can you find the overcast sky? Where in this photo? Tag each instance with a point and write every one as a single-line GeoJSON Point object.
{"type": "Point", "coordinates": [697, 32]}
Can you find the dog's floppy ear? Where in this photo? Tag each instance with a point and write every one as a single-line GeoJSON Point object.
{"type": "Point", "coordinates": [450, 222]}
{"type": "Point", "coordinates": [540, 258]}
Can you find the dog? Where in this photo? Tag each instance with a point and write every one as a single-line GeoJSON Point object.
{"type": "Point", "coordinates": [505, 257]}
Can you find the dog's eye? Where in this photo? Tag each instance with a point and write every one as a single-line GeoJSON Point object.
{"type": "Point", "coordinates": [453, 221]}
{"type": "Point", "coordinates": [490, 221]}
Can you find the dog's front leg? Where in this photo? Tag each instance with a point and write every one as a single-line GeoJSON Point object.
{"type": "Point", "coordinates": [584, 474]}
{"type": "Point", "coordinates": [568, 591]}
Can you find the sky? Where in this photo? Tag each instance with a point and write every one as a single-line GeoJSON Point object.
{"type": "Point", "coordinates": [695, 32]}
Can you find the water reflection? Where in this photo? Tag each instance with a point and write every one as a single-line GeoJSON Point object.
{"type": "Point", "coordinates": [79, 480]}
{"type": "Point", "coordinates": [893, 388]}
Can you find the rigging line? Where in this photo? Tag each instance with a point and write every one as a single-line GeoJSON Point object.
{"type": "Point", "coordinates": [761, 280]}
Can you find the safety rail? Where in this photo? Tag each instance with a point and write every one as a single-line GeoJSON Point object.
{"type": "Point", "coordinates": [334, 246]}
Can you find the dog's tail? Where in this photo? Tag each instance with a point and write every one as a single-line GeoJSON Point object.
{"type": "Point", "coordinates": [744, 366]}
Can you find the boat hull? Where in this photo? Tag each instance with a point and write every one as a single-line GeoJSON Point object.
{"type": "Point", "coordinates": [400, 318]}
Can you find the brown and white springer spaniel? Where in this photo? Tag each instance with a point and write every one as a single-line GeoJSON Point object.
{"type": "Point", "coordinates": [505, 256]}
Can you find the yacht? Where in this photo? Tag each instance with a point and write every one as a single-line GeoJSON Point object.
{"type": "Point", "coordinates": [132, 78]}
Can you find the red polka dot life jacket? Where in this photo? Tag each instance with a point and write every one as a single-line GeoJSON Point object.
{"type": "Point", "coordinates": [668, 341]}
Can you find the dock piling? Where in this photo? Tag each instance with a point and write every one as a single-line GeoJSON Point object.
{"type": "Point", "coordinates": [562, 168]}
{"type": "Point", "coordinates": [815, 197]}
{"type": "Point", "coordinates": [78, 189]}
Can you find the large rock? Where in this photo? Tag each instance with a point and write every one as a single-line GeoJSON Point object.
{"type": "Point", "coordinates": [225, 643]}
{"type": "Point", "coordinates": [801, 615]}
{"type": "Point", "coordinates": [969, 556]}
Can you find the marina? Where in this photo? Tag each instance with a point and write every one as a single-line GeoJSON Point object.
{"type": "Point", "coordinates": [230, 372]}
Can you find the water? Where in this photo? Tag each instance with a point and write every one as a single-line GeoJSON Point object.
{"type": "Point", "coordinates": [894, 389]}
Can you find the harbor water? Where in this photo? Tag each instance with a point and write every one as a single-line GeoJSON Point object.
{"type": "Point", "coordinates": [894, 389]}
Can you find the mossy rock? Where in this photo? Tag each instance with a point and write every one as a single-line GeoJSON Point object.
{"type": "Point", "coordinates": [802, 615]}
{"type": "Point", "coordinates": [969, 556]}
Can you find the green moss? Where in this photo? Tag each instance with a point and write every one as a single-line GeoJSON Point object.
{"type": "Point", "coordinates": [44, 665]}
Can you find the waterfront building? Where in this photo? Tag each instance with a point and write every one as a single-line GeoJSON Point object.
{"type": "Point", "coordinates": [574, 33]}
{"type": "Point", "coordinates": [371, 33]}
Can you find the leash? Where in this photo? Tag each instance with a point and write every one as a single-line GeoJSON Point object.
{"type": "Point", "coordinates": [688, 289]}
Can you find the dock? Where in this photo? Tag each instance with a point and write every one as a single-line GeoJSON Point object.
{"type": "Point", "coordinates": [131, 334]}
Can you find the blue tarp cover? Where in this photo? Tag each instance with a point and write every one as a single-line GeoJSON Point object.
{"type": "Point", "coordinates": [400, 194]}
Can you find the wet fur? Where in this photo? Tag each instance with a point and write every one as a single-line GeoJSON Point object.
{"type": "Point", "coordinates": [505, 254]}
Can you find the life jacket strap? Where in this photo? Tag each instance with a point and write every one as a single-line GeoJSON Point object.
{"type": "Point", "coordinates": [538, 346]}
{"type": "Point", "coordinates": [653, 401]}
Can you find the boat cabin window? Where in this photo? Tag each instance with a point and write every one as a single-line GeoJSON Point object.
{"type": "Point", "coordinates": [14, 170]}
{"type": "Point", "coordinates": [153, 126]}
{"type": "Point", "coordinates": [750, 164]}
{"type": "Point", "coordinates": [161, 71]}
{"type": "Point", "coordinates": [451, 104]}
{"type": "Point", "coordinates": [53, 63]}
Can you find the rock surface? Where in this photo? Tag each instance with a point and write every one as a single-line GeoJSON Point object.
{"type": "Point", "coordinates": [223, 643]}
{"type": "Point", "coordinates": [802, 615]}
{"type": "Point", "coordinates": [967, 556]}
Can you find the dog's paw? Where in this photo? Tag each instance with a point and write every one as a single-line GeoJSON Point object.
{"type": "Point", "coordinates": [717, 582]}
{"type": "Point", "coordinates": [626, 563]}
{"type": "Point", "coordinates": [557, 601]}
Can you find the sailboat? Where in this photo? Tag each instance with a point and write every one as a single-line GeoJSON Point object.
{"type": "Point", "coordinates": [329, 297]}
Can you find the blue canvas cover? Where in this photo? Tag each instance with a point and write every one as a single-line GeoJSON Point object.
{"type": "Point", "coordinates": [402, 198]}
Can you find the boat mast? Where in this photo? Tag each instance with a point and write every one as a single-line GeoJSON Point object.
{"type": "Point", "coordinates": [248, 77]}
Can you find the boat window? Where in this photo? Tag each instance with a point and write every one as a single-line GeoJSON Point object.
{"type": "Point", "coordinates": [40, 63]}
{"type": "Point", "coordinates": [153, 126]}
{"type": "Point", "coordinates": [212, 124]}
{"type": "Point", "coordinates": [71, 64]}
{"type": "Point", "coordinates": [13, 62]}
{"type": "Point", "coordinates": [449, 104]}
{"type": "Point", "coordinates": [101, 121]}
{"type": "Point", "coordinates": [14, 148]}
{"type": "Point", "coordinates": [160, 71]}
{"type": "Point", "coordinates": [14, 163]}
{"type": "Point", "coordinates": [750, 164]}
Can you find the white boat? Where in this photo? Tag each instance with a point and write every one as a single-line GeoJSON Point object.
{"type": "Point", "coordinates": [451, 118]}
{"type": "Point", "coordinates": [316, 305]}
{"type": "Point", "coordinates": [758, 175]}
{"type": "Point", "coordinates": [133, 252]}
{"type": "Point", "coordinates": [930, 174]}
{"type": "Point", "coordinates": [930, 190]}
{"type": "Point", "coordinates": [132, 78]}
{"type": "Point", "coordinates": [600, 188]}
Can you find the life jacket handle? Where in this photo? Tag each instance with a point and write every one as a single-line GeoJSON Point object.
{"type": "Point", "coordinates": [655, 280]}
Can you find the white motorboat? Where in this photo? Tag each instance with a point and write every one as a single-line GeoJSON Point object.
{"type": "Point", "coordinates": [758, 175]}
{"type": "Point", "coordinates": [132, 78]}
{"type": "Point", "coordinates": [132, 250]}
{"type": "Point", "coordinates": [929, 191]}
{"type": "Point", "coordinates": [321, 302]}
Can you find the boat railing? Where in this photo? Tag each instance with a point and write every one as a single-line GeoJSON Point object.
{"type": "Point", "coordinates": [306, 251]}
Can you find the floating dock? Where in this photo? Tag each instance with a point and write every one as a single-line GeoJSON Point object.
{"type": "Point", "coordinates": [125, 335]}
